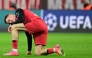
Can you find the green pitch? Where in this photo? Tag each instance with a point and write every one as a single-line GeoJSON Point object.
{"type": "Point", "coordinates": [75, 45]}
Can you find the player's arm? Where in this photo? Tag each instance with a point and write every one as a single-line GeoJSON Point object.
{"type": "Point", "coordinates": [29, 42]}
{"type": "Point", "coordinates": [20, 15]}
{"type": "Point", "coordinates": [9, 29]}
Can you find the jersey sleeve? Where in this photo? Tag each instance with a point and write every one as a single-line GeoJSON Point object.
{"type": "Point", "coordinates": [20, 15]}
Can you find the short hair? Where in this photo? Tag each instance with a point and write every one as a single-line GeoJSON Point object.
{"type": "Point", "coordinates": [5, 18]}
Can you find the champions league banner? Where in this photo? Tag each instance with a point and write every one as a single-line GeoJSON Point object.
{"type": "Point", "coordinates": [68, 20]}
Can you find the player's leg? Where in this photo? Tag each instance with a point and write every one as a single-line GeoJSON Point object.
{"type": "Point", "coordinates": [21, 26]}
{"type": "Point", "coordinates": [29, 36]}
{"type": "Point", "coordinates": [40, 51]}
{"type": "Point", "coordinates": [40, 31]}
{"type": "Point", "coordinates": [29, 42]}
{"type": "Point", "coordinates": [56, 49]}
{"type": "Point", "coordinates": [14, 33]}
{"type": "Point", "coordinates": [14, 50]}
{"type": "Point", "coordinates": [40, 41]}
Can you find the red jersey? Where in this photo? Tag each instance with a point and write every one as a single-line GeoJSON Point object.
{"type": "Point", "coordinates": [29, 16]}
{"type": "Point", "coordinates": [25, 16]}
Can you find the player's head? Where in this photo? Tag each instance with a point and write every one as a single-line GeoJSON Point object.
{"type": "Point", "coordinates": [9, 18]}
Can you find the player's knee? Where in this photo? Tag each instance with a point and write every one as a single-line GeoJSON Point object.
{"type": "Point", "coordinates": [38, 49]}
{"type": "Point", "coordinates": [38, 53]}
{"type": "Point", "coordinates": [13, 27]}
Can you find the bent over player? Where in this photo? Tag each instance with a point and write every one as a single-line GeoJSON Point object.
{"type": "Point", "coordinates": [28, 21]}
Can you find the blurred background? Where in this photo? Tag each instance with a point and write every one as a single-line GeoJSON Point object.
{"type": "Point", "coordinates": [59, 15]}
{"type": "Point", "coordinates": [69, 23]}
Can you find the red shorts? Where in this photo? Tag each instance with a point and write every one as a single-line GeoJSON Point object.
{"type": "Point", "coordinates": [39, 30]}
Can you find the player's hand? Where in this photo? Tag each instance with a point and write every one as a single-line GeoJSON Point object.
{"type": "Point", "coordinates": [9, 29]}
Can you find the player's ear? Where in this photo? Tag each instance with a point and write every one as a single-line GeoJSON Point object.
{"type": "Point", "coordinates": [5, 18]}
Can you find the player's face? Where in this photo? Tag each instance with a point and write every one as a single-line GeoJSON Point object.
{"type": "Point", "coordinates": [10, 18]}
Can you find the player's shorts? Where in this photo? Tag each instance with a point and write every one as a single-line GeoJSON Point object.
{"type": "Point", "coordinates": [39, 30]}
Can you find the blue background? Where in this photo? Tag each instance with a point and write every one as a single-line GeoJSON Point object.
{"type": "Point", "coordinates": [64, 13]}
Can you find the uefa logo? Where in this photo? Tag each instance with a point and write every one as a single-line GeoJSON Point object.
{"type": "Point", "coordinates": [51, 21]}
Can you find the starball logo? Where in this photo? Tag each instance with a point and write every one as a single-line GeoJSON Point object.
{"type": "Point", "coordinates": [51, 21]}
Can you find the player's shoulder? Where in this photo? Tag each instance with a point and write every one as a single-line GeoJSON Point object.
{"type": "Point", "coordinates": [18, 12]}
